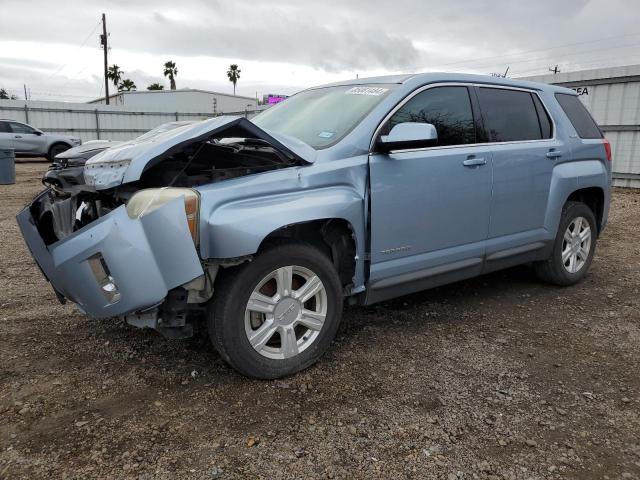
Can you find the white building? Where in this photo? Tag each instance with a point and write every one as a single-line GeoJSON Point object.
{"type": "Point", "coordinates": [612, 95]}
{"type": "Point", "coordinates": [185, 100]}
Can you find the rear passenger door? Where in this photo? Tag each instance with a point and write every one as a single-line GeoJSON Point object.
{"type": "Point", "coordinates": [524, 150]}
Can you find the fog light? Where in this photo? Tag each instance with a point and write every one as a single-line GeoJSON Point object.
{"type": "Point", "coordinates": [104, 278]}
{"type": "Point", "coordinates": [110, 286]}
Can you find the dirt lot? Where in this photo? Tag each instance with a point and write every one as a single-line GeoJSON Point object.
{"type": "Point", "coordinates": [497, 377]}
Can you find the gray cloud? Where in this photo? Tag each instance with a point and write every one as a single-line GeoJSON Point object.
{"type": "Point", "coordinates": [332, 35]}
{"type": "Point", "coordinates": [340, 36]}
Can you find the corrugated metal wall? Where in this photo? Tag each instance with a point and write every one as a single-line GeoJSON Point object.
{"type": "Point", "coordinates": [612, 95]}
{"type": "Point", "coordinates": [90, 122]}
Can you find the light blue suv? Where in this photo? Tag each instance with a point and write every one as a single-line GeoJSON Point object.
{"type": "Point", "coordinates": [359, 191]}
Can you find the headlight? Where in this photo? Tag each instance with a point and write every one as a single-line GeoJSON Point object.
{"type": "Point", "coordinates": [148, 200]}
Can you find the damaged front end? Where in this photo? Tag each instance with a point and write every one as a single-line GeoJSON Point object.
{"type": "Point", "coordinates": [122, 239]}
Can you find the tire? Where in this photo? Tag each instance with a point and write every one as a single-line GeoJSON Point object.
{"type": "Point", "coordinates": [558, 272]}
{"type": "Point", "coordinates": [287, 312]}
{"type": "Point", "coordinates": [56, 149]}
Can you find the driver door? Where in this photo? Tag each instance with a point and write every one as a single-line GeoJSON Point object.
{"type": "Point", "coordinates": [25, 139]}
{"type": "Point", "coordinates": [430, 206]}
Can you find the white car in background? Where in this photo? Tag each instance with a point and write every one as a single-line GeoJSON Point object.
{"type": "Point", "coordinates": [67, 167]}
{"type": "Point", "coordinates": [32, 142]}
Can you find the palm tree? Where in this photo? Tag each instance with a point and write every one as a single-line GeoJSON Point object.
{"type": "Point", "coordinates": [114, 74]}
{"type": "Point", "coordinates": [127, 85]}
{"type": "Point", "coordinates": [171, 71]}
{"type": "Point", "coordinates": [155, 86]}
{"type": "Point", "coordinates": [3, 94]}
{"type": "Point", "coordinates": [234, 75]}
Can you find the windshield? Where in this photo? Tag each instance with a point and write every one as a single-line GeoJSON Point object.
{"type": "Point", "coordinates": [165, 127]}
{"type": "Point", "coordinates": [321, 117]}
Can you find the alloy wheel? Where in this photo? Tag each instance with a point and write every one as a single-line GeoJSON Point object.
{"type": "Point", "coordinates": [576, 245]}
{"type": "Point", "coordinates": [285, 312]}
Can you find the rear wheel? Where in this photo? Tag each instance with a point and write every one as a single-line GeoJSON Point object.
{"type": "Point", "coordinates": [57, 149]}
{"type": "Point", "coordinates": [574, 246]}
{"type": "Point", "coordinates": [277, 314]}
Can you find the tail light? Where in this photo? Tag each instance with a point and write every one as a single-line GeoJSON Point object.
{"type": "Point", "coordinates": [607, 148]}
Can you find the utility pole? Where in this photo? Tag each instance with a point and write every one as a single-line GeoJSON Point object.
{"type": "Point", "coordinates": [26, 97]}
{"type": "Point", "coordinates": [104, 42]}
{"type": "Point", "coordinates": [555, 70]}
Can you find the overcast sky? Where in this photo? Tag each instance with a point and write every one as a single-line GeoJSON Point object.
{"type": "Point", "coordinates": [282, 46]}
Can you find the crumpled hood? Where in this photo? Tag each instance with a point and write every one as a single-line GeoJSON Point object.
{"type": "Point", "coordinates": [126, 162]}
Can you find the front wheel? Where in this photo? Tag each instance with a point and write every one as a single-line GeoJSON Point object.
{"type": "Point", "coordinates": [574, 246]}
{"type": "Point", "coordinates": [277, 314]}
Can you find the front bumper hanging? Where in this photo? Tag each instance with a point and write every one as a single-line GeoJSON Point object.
{"type": "Point", "coordinates": [118, 265]}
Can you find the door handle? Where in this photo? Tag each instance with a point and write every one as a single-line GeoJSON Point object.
{"type": "Point", "coordinates": [17, 136]}
{"type": "Point", "coordinates": [472, 161]}
{"type": "Point", "coordinates": [553, 153]}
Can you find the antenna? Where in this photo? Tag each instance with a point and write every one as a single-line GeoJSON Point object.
{"type": "Point", "coordinates": [501, 75]}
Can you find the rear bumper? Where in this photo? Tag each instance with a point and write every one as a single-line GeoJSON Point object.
{"type": "Point", "coordinates": [145, 257]}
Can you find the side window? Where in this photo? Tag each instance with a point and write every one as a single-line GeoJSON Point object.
{"type": "Point", "coordinates": [582, 121]}
{"type": "Point", "coordinates": [545, 122]}
{"type": "Point", "coordinates": [510, 115]}
{"type": "Point", "coordinates": [4, 127]}
{"type": "Point", "coordinates": [20, 128]}
{"type": "Point", "coordinates": [446, 108]}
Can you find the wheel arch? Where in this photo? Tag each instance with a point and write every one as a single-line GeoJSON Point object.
{"type": "Point", "coordinates": [334, 236]}
{"type": "Point", "coordinates": [586, 181]}
{"type": "Point", "coordinates": [330, 217]}
{"type": "Point", "coordinates": [57, 142]}
{"type": "Point", "coordinates": [594, 198]}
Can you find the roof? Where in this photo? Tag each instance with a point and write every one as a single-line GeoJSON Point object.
{"type": "Point", "coordinates": [179, 90]}
{"type": "Point", "coordinates": [433, 77]}
{"type": "Point", "coordinates": [381, 79]}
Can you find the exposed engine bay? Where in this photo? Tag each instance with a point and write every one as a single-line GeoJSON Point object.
{"type": "Point", "coordinates": [130, 219]}
{"type": "Point", "coordinates": [69, 204]}
{"type": "Point", "coordinates": [214, 161]}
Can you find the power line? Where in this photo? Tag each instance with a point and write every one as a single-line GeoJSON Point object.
{"type": "Point", "coordinates": [546, 58]}
{"type": "Point", "coordinates": [509, 55]}
{"type": "Point", "coordinates": [79, 48]}
{"type": "Point", "coordinates": [47, 93]}
{"type": "Point", "coordinates": [600, 62]}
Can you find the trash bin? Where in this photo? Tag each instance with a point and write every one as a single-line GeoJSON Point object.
{"type": "Point", "coordinates": [7, 167]}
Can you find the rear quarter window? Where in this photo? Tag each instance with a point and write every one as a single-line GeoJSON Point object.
{"type": "Point", "coordinates": [579, 116]}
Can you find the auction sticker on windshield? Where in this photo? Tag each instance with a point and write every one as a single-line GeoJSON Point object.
{"type": "Point", "coordinates": [375, 91]}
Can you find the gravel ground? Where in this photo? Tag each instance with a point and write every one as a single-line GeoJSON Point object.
{"type": "Point", "coordinates": [498, 377]}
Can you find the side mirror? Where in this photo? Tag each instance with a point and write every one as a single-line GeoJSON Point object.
{"type": "Point", "coordinates": [38, 132]}
{"type": "Point", "coordinates": [408, 135]}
